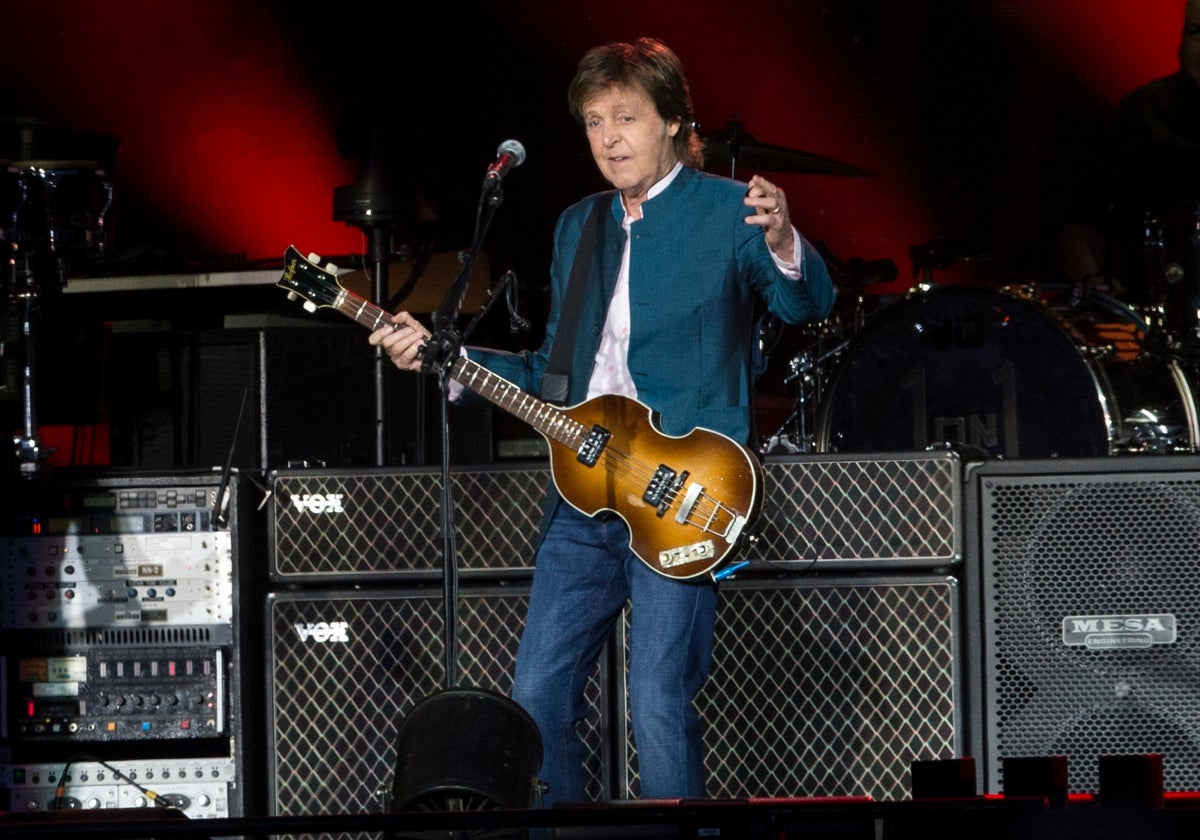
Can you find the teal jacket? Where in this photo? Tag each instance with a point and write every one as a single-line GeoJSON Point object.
{"type": "Point", "coordinates": [695, 271]}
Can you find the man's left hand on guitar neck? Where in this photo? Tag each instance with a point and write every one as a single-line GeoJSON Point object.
{"type": "Point", "coordinates": [403, 341]}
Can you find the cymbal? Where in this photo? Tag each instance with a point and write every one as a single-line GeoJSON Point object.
{"type": "Point", "coordinates": [31, 143]}
{"type": "Point", "coordinates": [733, 150]}
{"type": "Point", "coordinates": [430, 287]}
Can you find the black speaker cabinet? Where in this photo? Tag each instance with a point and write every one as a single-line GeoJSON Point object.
{"type": "Point", "coordinates": [1085, 613]}
{"type": "Point", "coordinates": [337, 526]}
{"type": "Point", "coordinates": [266, 396]}
{"type": "Point", "coordinates": [346, 667]}
{"type": "Point", "coordinates": [824, 687]}
{"type": "Point", "coordinates": [819, 687]}
{"type": "Point", "coordinates": [880, 511]}
{"type": "Point", "coordinates": [342, 527]}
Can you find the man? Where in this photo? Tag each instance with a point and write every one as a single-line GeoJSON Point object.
{"type": "Point", "coordinates": [666, 318]}
{"type": "Point", "coordinates": [1139, 207]}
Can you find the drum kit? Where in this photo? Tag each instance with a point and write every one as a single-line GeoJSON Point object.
{"type": "Point", "coordinates": [55, 195]}
{"type": "Point", "coordinates": [1010, 372]}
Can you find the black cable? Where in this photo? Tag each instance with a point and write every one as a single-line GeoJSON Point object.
{"type": "Point", "coordinates": [60, 790]}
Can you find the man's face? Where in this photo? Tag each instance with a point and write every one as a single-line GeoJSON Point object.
{"type": "Point", "coordinates": [630, 141]}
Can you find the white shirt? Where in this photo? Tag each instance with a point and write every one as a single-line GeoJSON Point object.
{"type": "Point", "coordinates": [610, 372]}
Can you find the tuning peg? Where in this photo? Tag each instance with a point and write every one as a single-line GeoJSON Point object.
{"type": "Point", "coordinates": [309, 306]}
{"type": "Point", "coordinates": [293, 296]}
{"type": "Point", "coordinates": [315, 259]}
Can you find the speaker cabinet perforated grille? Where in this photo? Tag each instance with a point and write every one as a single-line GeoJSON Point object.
{"type": "Point", "coordinates": [345, 667]}
{"type": "Point", "coordinates": [1091, 598]}
{"type": "Point", "coordinates": [339, 526]}
{"type": "Point", "coordinates": [855, 512]}
{"type": "Point", "coordinates": [826, 688]}
{"type": "Point", "coordinates": [378, 526]}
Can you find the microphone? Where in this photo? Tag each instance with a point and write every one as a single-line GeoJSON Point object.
{"type": "Point", "coordinates": [510, 154]}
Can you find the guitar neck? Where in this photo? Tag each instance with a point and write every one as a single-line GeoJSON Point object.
{"type": "Point", "coordinates": [550, 421]}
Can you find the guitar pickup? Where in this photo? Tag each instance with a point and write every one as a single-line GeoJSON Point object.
{"type": "Point", "coordinates": [664, 479]}
{"type": "Point", "coordinates": [593, 445]}
{"type": "Point", "coordinates": [660, 482]}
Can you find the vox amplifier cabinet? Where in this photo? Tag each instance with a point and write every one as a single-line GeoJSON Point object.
{"type": "Point", "coordinates": [345, 667]}
{"type": "Point", "coordinates": [118, 599]}
{"type": "Point", "coordinates": [1087, 613]}
{"type": "Point", "coordinates": [822, 686]}
{"type": "Point", "coordinates": [826, 511]}
{"type": "Point", "coordinates": [858, 512]}
{"type": "Point", "coordinates": [335, 527]}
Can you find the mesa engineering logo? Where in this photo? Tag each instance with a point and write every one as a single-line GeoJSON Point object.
{"type": "Point", "coordinates": [1119, 632]}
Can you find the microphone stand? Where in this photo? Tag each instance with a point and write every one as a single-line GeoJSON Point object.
{"type": "Point", "coordinates": [441, 350]}
{"type": "Point", "coordinates": [485, 724]}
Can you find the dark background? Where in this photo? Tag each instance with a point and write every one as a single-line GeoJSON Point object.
{"type": "Point", "coordinates": [234, 123]}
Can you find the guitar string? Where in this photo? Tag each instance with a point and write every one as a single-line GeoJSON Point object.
{"type": "Point", "coordinates": [714, 516]}
{"type": "Point", "coordinates": [623, 463]}
{"type": "Point", "coordinates": [706, 508]}
{"type": "Point", "coordinates": [371, 316]}
{"type": "Point", "coordinates": [707, 514]}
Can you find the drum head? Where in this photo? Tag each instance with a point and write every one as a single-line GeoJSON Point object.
{"type": "Point", "coordinates": [980, 368]}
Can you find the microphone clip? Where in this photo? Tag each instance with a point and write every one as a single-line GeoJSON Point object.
{"type": "Point", "coordinates": [440, 349]}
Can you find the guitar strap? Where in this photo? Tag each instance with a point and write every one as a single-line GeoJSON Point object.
{"type": "Point", "coordinates": [556, 381]}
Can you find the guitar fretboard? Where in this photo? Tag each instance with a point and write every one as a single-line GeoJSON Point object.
{"type": "Point", "coordinates": [542, 416]}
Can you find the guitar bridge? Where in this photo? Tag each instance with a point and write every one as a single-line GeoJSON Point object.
{"type": "Point", "coordinates": [593, 445]}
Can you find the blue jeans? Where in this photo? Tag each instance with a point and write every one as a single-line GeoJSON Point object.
{"type": "Point", "coordinates": [584, 574]}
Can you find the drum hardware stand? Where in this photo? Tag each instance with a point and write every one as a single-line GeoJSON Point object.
{"type": "Point", "coordinates": [807, 370]}
{"type": "Point", "coordinates": [1158, 274]}
{"type": "Point", "coordinates": [372, 204]}
{"type": "Point", "coordinates": [24, 294]}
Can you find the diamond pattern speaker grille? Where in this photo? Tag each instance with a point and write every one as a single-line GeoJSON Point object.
{"type": "Point", "coordinates": [826, 688]}
{"type": "Point", "coordinates": [369, 525]}
{"type": "Point", "coordinates": [328, 526]}
{"type": "Point", "coordinates": [344, 669]}
{"type": "Point", "coordinates": [1060, 553]}
{"type": "Point", "coordinates": [842, 512]}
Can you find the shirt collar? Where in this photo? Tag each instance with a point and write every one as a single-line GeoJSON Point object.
{"type": "Point", "coordinates": [659, 185]}
{"type": "Point", "coordinates": [665, 181]}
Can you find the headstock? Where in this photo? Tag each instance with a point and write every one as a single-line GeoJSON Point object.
{"type": "Point", "coordinates": [306, 280]}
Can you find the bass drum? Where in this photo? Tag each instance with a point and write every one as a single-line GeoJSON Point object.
{"type": "Point", "coordinates": [1006, 374]}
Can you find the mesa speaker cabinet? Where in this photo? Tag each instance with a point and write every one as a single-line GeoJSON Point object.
{"type": "Point", "coordinates": [860, 512]}
{"type": "Point", "coordinates": [335, 527]}
{"type": "Point", "coordinates": [1085, 601]}
{"type": "Point", "coordinates": [824, 687]}
{"type": "Point", "coordinates": [344, 668]}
